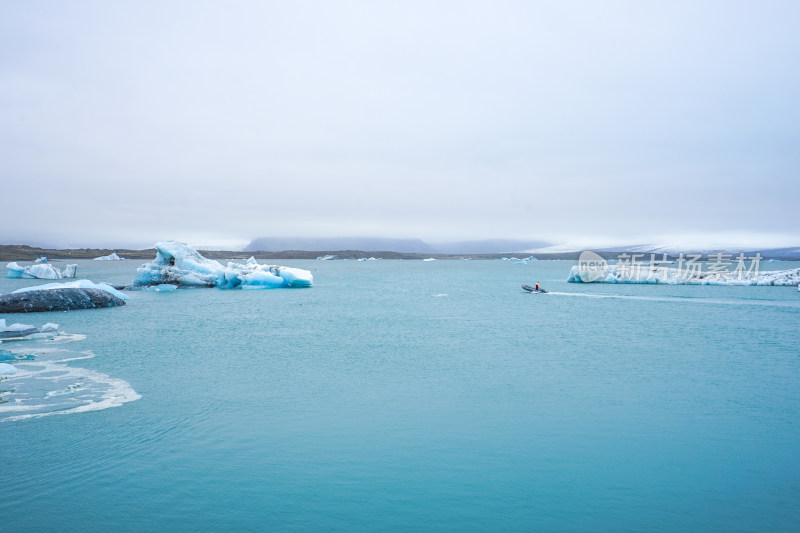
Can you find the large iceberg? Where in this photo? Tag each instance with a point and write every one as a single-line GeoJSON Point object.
{"type": "Point", "coordinates": [41, 271]}
{"type": "Point", "coordinates": [676, 276]}
{"type": "Point", "coordinates": [177, 263]}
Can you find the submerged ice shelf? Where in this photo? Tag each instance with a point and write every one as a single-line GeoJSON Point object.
{"type": "Point", "coordinates": [178, 264]}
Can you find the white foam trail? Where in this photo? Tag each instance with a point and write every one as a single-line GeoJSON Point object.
{"type": "Point", "coordinates": [766, 303]}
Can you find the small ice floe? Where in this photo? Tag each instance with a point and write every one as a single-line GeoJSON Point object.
{"type": "Point", "coordinates": [429, 259]}
{"type": "Point", "coordinates": [6, 369]}
{"type": "Point", "coordinates": [40, 271]}
{"type": "Point", "coordinates": [6, 355]}
{"type": "Point", "coordinates": [178, 264]}
{"type": "Point", "coordinates": [327, 257]}
{"type": "Point", "coordinates": [21, 331]}
{"type": "Point", "coordinates": [39, 260]}
{"type": "Point", "coordinates": [110, 257]}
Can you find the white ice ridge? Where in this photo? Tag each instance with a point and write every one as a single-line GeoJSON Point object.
{"type": "Point", "coordinates": [110, 257]}
{"type": "Point", "coordinates": [675, 276]}
{"type": "Point", "coordinates": [177, 263]}
{"type": "Point", "coordinates": [41, 271]}
{"type": "Point", "coordinates": [78, 284]}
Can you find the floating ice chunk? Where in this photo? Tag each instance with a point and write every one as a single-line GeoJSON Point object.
{"type": "Point", "coordinates": [177, 263]}
{"type": "Point", "coordinates": [674, 276]}
{"type": "Point", "coordinates": [44, 271]}
{"type": "Point", "coordinates": [15, 330]}
{"type": "Point", "coordinates": [70, 271]}
{"type": "Point", "coordinates": [110, 257]}
{"type": "Point", "coordinates": [24, 330]}
{"type": "Point", "coordinates": [15, 271]}
{"type": "Point", "coordinates": [40, 271]}
{"type": "Point", "coordinates": [79, 284]}
{"type": "Point", "coordinates": [6, 369]}
{"type": "Point", "coordinates": [294, 277]}
{"type": "Point", "coordinates": [429, 259]}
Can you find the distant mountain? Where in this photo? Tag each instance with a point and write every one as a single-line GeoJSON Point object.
{"type": "Point", "coordinates": [377, 244]}
{"type": "Point", "coordinates": [365, 244]}
{"type": "Point", "coordinates": [489, 246]}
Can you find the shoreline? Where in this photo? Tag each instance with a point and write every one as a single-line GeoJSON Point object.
{"type": "Point", "coordinates": [21, 252]}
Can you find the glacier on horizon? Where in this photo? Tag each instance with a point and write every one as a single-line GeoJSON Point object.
{"type": "Point", "coordinates": [178, 263]}
{"type": "Point", "coordinates": [41, 270]}
{"type": "Point", "coordinates": [674, 276]}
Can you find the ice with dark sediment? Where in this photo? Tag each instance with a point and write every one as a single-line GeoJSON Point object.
{"type": "Point", "coordinates": [78, 284]}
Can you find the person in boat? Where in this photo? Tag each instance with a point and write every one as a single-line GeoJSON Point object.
{"type": "Point", "coordinates": [537, 287]}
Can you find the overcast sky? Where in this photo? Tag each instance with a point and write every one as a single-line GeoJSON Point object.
{"type": "Point", "coordinates": [125, 123]}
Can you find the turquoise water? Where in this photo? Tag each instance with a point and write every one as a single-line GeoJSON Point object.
{"type": "Point", "coordinates": [419, 396]}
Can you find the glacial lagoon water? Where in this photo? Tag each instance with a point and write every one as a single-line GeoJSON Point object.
{"type": "Point", "coordinates": [409, 395]}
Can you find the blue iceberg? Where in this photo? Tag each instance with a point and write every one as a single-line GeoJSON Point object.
{"type": "Point", "coordinates": [179, 264]}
